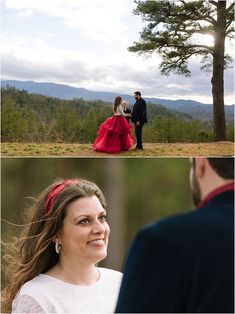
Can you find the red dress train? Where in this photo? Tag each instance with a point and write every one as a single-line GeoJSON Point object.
{"type": "Point", "coordinates": [114, 135]}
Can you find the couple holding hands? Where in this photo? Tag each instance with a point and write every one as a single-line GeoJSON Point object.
{"type": "Point", "coordinates": [114, 134]}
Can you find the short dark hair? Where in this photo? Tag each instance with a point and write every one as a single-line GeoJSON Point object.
{"type": "Point", "coordinates": [137, 93]}
{"type": "Point", "coordinates": [224, 167]}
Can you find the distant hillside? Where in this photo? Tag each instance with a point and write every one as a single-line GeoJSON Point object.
{"type": "Point", "coordinates": [28, 117]}
{"type": "Point", "coordinates": [191, 108]}
{"type": "Point", "coordinates": [44, 104]}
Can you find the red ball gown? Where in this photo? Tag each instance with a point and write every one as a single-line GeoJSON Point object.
{"type": "Point", "coordinates": [114, 135]}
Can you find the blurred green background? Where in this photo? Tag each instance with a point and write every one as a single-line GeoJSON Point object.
{"type": "Point", "coordinates": [138, 191]}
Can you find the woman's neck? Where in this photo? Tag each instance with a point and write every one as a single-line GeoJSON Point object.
{"type": "Point", "coordinates": [77, 274]}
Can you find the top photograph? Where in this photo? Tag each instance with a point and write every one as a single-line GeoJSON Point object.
{"type": "Point", "coordinates": [119, 78]}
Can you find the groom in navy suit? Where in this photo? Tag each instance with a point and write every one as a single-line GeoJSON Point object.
{"type": "Point", "coordinates": [139, 117]}
{"type": "Point", "coordinates": [185, 263]}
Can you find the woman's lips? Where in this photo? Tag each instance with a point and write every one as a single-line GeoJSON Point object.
{"type": "Point", "coordinates": [97, 242]}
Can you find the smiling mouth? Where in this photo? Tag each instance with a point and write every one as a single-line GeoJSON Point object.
{"type": "Point", "coordinates": [97, 242]}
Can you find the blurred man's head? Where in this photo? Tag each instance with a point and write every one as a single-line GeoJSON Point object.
{"type": "Point", "coordinates": [208, 174]}
{"type": "Point", "coordinates": [137, 95]}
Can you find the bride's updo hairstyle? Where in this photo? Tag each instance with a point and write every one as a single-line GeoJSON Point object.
{"type": "Point", "coordinates": [117, 102]}
{"type": "Point", "coordinates": [34, 252]}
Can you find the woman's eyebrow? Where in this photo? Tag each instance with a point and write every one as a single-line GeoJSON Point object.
{"type": "Point", "coordinates": [88, 216]}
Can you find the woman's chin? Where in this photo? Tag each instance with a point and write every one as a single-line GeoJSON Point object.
{"type": "Point", "coordinates": [99, 257]}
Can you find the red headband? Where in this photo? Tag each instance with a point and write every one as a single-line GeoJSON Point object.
{"type": "Point", "coordinates": [55, 191]}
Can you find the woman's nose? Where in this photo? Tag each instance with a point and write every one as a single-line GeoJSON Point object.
{"type": "Point", "coordinates": [98, 227]}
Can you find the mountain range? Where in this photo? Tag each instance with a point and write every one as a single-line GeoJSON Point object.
{"type": "Point", "coordinates": [195, 109]}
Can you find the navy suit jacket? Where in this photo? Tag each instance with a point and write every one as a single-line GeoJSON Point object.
{"type": "Point", "coordinates": [184, 263]}
{"type": "Point", "coordinates": [139, 111]}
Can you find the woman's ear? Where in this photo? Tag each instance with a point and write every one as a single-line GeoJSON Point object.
{"type": "Point", "coordinates": [57, 239]}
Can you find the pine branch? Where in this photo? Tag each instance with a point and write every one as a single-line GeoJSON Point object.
{"type": "Point", "coordinates": [231, 30]}
{"type": "Point", "coordinates": [203, 32]}
{"type": "Point", "coordinates": [184, 47]}
{"type": "Point", "coordinates": [230, 18]}
{"type": "Point", "coordinates": [214, 3]}
{"type": "Point", "coordinates": [231, 7]}
{"type": "Point", "coordinates": [228, 24]}
{"type": "Point", "coordinates": [208, 48]}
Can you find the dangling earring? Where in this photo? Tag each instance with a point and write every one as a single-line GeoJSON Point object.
{"type": "Point", "coordinates": [57, 247]}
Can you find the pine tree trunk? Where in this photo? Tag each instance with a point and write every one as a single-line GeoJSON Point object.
{"type": "Point", "coordinates": [218, 75]}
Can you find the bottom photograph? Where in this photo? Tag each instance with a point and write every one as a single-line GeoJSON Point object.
{"type": "Point", "coordinates": [116, 235]}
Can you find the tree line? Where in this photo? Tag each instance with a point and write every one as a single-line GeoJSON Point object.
{"type": "Point", "coordinates": [37, 118]}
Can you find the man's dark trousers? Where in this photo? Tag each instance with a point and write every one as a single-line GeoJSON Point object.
{"type": "Point", "coordinates": [139, 114]}
{"type": "Point", "coordinates": [138, 134]}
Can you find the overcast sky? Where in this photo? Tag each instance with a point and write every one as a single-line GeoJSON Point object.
{"type": "Point", "coordinates": [84, 44]}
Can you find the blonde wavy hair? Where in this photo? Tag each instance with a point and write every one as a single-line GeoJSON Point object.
{"type": "Point", "coordinates": [34, 251]}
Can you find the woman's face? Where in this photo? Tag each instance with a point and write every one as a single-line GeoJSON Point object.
{"type": "Point", "coordinates": [85, 232]}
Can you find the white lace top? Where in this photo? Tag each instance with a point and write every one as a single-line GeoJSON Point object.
{"type": "Point", "coordinates": [120, 111]}
{"type": "Point", "coordinates": [46, 294]}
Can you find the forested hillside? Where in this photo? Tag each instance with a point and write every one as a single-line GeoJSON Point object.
{"type": "Point", "coordinates": [37, 118]}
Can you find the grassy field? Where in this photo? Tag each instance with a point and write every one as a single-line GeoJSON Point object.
{"type": "Point", "coordinates": [85, 150]}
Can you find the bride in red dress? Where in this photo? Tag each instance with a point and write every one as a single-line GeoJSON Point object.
{"type": "Point", "coordinates": [114, 134]}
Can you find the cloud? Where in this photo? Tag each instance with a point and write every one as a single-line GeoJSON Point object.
{"type": "Point", "coordinates": [101, 20]}
{"type": "Point", "coordinates": [122, 78]}
{"type": "Point", "coordinates": [24, 14]}
{"type": "Point", "coordinates": [89, 50]}
{"type": "Point", "coordinates": [43, 63]}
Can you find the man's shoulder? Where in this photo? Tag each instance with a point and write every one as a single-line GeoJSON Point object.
{"type": "Point", "coordinates": [142, 101]}
{"type": "Point", "coordinates": [193, 222]}
{"type": "Point", "coordinates": [176, 225]}
{"type": "Point", "coordinates": [167, 232]}
{"type": "Point", "coordinates": [171, 222]}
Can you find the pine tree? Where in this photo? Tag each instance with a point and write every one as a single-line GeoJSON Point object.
{"type": "Point", "coordinates": [170, 32]}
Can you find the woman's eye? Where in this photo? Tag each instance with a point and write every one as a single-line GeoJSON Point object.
{"type": "Point", "coordinates": [84, 222]}
{"type": "Point", "coordinates": [103, 218]}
